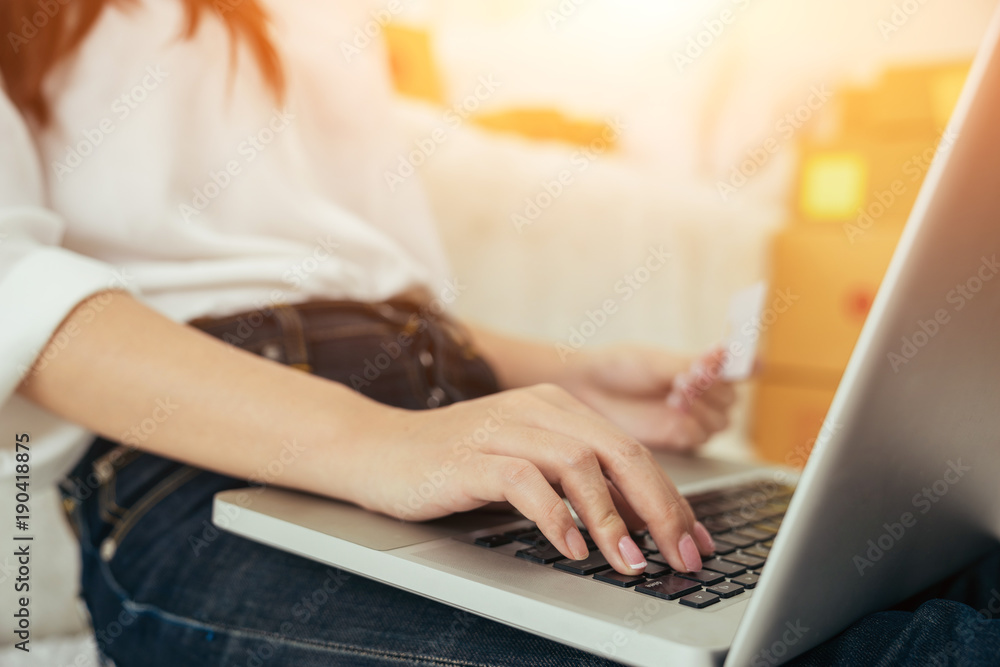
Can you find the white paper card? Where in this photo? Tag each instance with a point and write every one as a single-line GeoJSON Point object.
{"type": "Point", "coordinates": [745, 312]}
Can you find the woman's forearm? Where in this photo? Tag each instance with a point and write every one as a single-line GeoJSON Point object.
{"type": "Point", "coordinates": [132, 375]}
{"type": "Point", "coordinates": [518, 362]}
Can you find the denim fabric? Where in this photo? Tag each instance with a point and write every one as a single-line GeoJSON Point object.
{"type": "Point", "coordinates": [955, 623]}
{"type": "Point", "coordinates": [166, 589]}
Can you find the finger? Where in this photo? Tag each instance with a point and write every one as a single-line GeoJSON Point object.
{"type": "Point", "coordinates": [704, 376]}
{"type": "Point", "coordinates": [641, 481]}
{"type": "Point", "coordinates": [634, 472]}
{"type": "Point", "coordinates": [576, 469]}
{"type": "Point", "coordinates": [711, 419]}
{"type": "Point", "coordinates": [520, 483]}
{"type": "Point", "coordinates": [722, 395]}
{"type": "Point", "coordinates": [632, 520]}
{"type": "Point", "coordinates": [702, 538]}
{"type": "Point", "coordinates": [684, 433]}
{"type": "Point", "coordinates": [558, 397]}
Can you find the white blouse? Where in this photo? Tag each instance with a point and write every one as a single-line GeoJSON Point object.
{"type": "Point", "coordinates": [171, 170]}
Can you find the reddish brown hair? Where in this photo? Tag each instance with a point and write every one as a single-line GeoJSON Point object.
{"type": "Point", "coordinates": [39, 34]}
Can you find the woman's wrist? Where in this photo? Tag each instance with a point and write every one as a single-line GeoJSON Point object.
{"type": "Point", "coordinates": [521, 362]}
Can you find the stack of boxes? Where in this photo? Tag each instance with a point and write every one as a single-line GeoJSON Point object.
{"type": "Point", "coordinates": [854, 194]}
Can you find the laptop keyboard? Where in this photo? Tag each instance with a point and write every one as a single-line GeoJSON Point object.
{"type": "Point", "coordinates": [743, 522]}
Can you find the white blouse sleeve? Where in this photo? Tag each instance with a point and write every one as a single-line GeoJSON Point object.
{"type": "Point", "coordinates": [40, 282]}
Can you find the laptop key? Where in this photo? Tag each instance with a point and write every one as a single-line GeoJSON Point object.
{"type": "Point", "coordinates": [668, 588]}
{"type": "Point", "coordinates": [722, 547]}
{"type": "Point", "coordinates": [591, 565]}
{"type": "Point", "coordinates": [532, 538]}
{"type": "Point", "coordinates": [619, 579]}
{"type": "Point", "coordinates": [700, 600]}
{"type": "Point", "coordinates": [656, 569]}
{"type": "Point", "coordinates": [747, 580]}
{"type": "Point", "coordinates": [772, 524]}
{"type": "Point", "coordinates": [647, 544]}
{"type": "Point", "coordinates": [750, 562]}
{"type": "Point", "coordinates": [723, 523]}
{"type": "Point", "coordinates": [758, 551]}
{"type": "Point", "coordinates": [541, 555]}
{"type": "Point", "coordinates": [493, 541]}
{"type": "Point", "coordinates": [727, 590]}
{"type": "Point", "coordinates": [705, 577]}
{"type": "Point", "coordinates": [738, 540]}
{"type": "Point", "coordinates": [756, 534]}
{"type": "Point", "coordinates": [724, 567]}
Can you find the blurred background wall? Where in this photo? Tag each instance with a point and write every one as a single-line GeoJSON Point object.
{"type": "Point", "coordinates": [747, 136]}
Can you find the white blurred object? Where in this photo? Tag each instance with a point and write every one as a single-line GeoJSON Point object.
{"type": "Point", "coordinates": [745, 311]}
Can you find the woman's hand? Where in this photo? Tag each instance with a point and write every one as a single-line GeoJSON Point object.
{"type": "Point", "coordinates": [529, 448]}
{"type": "Point", "coordinates": [659, 398]}
{"type": "Point", "coordinates": [664, 400]}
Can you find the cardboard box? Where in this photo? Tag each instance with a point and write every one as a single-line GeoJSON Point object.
{"type": "Point", "coordinates": [868, 183]}
{"type": "Point", "coordinates": [907, 103]}
{"type": "Point", "coordinates": [787, 418]}
{"type": "Point", "coordinates": [823, 285]}
{"type": "Point", "coordinates": [411, 58]}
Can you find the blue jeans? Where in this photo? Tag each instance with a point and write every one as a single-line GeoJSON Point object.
{"type": "Point", "coordinates": [166, 588]}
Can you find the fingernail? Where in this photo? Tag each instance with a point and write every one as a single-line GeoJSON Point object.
{"type": "Point", "coordinates": [632, 554]}
{"type": "Point", "coordinates": [577, 545]}
{"type": "Point", "coordinates": [704, 538]}
{"type": "Point", "coordinates": [689, 553]}
{"type": "Point", "coordinates": [675, 400]}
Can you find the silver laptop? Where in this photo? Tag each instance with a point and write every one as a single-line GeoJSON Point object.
{"type": "Point", "coordinates": [901, 489]}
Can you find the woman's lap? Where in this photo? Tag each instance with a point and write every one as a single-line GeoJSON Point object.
{"type": "Point", "coordinates": [179, 592]}
{"type": "Point", "coordinates": [165, 587]}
